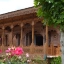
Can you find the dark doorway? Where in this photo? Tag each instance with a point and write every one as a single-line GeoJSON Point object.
{"type": "Point", "coordinates": [6, 37]}
{"type": "Point", "coordinates": [18, 39]}
{"type": "Point", "coordinates": [39, 40]}
{"type": "Point", "coordinates": [28, 39]}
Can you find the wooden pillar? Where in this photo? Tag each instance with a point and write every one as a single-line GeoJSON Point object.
{"type": "Point", "coordinates": [3, 38]}
{"type": "Point", "coordinates": [32, 44]}
{"type": "Point", "coordinates": [32, 32]}
{"type": "Point", "coordinates": [11, 43]}
{"type": "Point", "coordinates": [46, 39]}
{"type": "Point", "coordinates": [21, 40]}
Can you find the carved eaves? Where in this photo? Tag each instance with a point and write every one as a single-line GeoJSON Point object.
{"type": "Point", "coordinates": [18, 13]}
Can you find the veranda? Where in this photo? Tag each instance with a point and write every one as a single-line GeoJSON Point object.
{"type": "Point", "coordinates": [23, 28]}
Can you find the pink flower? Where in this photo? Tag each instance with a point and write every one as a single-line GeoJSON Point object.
{"type": "Point", "coordinates": [0, 51]}
{"type": "Point", "coordinates": [9, 48]}
{"type": "Point", "coordinates": [4, 59]}
{"type": "Point", "coordinates": [18, 51]}
{"type": "Point", "coordinates": [7, 51]}
{"type": "Point", "coordinates": [28, 61]}
{"type": "Point", "coordinates": [27, 55]}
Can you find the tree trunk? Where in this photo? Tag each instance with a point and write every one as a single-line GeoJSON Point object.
{"type": "Point", "coordinates": [62, 46]}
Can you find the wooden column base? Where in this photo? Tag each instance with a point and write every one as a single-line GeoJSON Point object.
{"type": "Point", "coordinates": [32, 48]}
{"type": "Point", "coordinates": [2, 47]}
{"type": "Point", "coordinates": [21, 45]}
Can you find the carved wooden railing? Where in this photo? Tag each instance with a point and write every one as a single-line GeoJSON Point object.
{"type": "Point", "coordinates": [51, 50]}
{"type": "Point", "coordinates": [26, 49]}
{"type": "Point", "coordinates": [38, 50]}
{"type": "Point", "coordinates": [54, 50]}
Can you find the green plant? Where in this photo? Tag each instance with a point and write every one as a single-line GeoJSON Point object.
{"type": "Point", "coordinates": [22, 60]}
{"type": "Point", "coordinates": [56, 60]}
{"type": "Point", "coordinates": [39, 60]}
{"type": "Point", "coordinates": [52, 12]}
{"type": "Point", "coordinates": [15, 55]}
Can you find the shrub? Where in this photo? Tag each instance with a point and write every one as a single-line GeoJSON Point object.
{"type": "Point", "coordinates": [15, 55]}
{"type": "Point", "coordinates": [56, 60]}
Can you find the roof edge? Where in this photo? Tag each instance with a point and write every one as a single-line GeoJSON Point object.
{"type": "Point", "coordinates": [18, 12]}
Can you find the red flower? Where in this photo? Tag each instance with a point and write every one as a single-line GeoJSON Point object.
{"type": "Point", "coordinates": [18, 51]}
{"type": "Point", "coordinates": [12, 52]}
{"type": "Point", "coordinates": [15, 51]}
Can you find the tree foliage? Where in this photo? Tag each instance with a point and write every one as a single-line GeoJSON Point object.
{"type": "Point", "coordinates": [52, 11]}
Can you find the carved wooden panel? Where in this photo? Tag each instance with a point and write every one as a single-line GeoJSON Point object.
{"type": "Point", "coordinates": [38, 49]}
{"type": "Point", "coordinates": [26, 49]}
{"type": "Point", "coordinates": [49, 51]}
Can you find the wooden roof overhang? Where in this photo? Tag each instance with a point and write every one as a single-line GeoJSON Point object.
{"type": "Point", "coordinates": [23, 14]}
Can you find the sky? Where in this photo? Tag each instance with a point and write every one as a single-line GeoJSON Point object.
{"type": "Point", "coordinates": [13, 5]}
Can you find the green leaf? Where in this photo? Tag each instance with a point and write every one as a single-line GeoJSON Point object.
{"type": "Point", "coordinates": [62, 0]}
{"type": "Point", "coordinates": [39, 12]}
{"type": "Point", "coordinates": [50, 1]}
{"type": "Point", "coordinates": [52, 11]}
{"type": "Point", "coordinates": [35, 3]}
{"type": "Point", "coordinates": [58, 21]}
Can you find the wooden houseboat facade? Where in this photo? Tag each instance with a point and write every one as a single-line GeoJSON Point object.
{"type": "Point", "coordinates": [23, 28]}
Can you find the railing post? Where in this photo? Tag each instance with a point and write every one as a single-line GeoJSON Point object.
{"type": "Point", "coordinates": [58, 50]}
{"type": "Point", "coordinates": [51, 48]}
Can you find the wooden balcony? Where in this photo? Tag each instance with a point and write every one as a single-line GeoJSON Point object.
{"type": "Point", "coordinates": [51, 50]}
